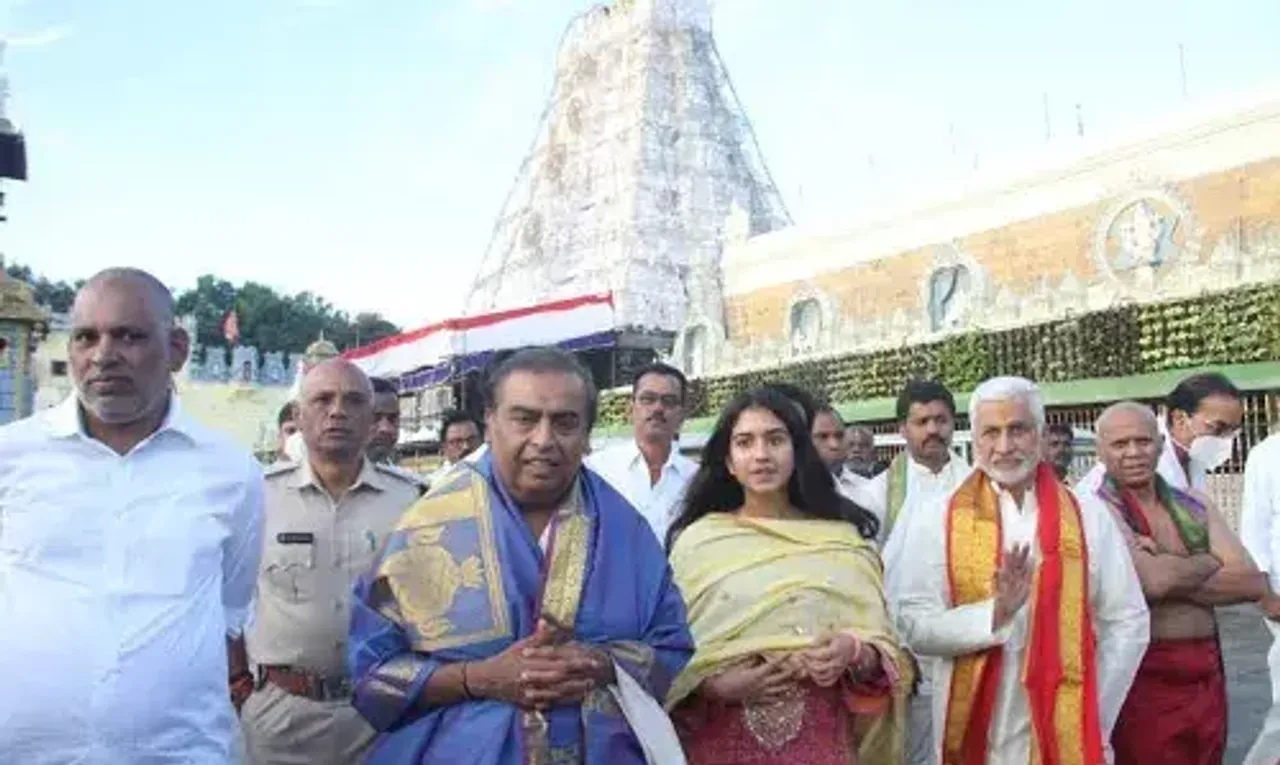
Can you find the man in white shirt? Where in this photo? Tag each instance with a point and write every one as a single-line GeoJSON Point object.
{"type": "Point", "coordinates": [130, 538]}
{"type": "Point", "coordinates": [919, 478]}
{"type": "Point", "coordinates": [1260, 532]}
{"type": "Point", "coordinates": [828, 433]}
{"type": "Point", "coordinates": [649, 470]}
{"type": "Point", "coordinates": [460, 435]}
{"type": "Point", "coordinates": [927, 470]}
{"type": "Point", "coordinates": [1017, 590]}
{"type": "Point", "coordinates": [860, 448]}
{"type": "Point", "coordinates": [1204, 418]}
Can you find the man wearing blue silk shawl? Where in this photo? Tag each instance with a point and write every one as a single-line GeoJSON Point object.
{"type": "Point", "coordinates": [500, 614]}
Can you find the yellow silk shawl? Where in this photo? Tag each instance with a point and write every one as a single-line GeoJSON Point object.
{"type": "Point", "coordinates": [755, 586]}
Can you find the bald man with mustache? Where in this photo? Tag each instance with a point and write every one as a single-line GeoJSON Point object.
{"type": "Point", "coordinates": [326, 517]}
{"type": "Point", "coordinates": [1188, 562]}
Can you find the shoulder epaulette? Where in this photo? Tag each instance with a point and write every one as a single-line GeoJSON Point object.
{"type": "Point", "coordinates": [405, 475]}
{"type": "Point", "coordinates": [280, 467]}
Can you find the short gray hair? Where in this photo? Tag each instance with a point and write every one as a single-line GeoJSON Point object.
{"type": "Point", "coordinates": [1143, 411]}
{"type": "Point", "coordinates": [862, 431]}
{"type": "Point", "coordinates": [161, 296]}
{"type": "Point", "coordinates": [1008, 389]}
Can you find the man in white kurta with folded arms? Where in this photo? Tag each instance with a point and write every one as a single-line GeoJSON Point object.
{"type": "Point", "coordinates": [1032, 606]}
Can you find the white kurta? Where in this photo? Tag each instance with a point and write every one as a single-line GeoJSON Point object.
{"type": "Point", "coordinates": [933, 627]}
{"type": "Point", "coordinates": [923, 485]}
{"type": "Point", "coordinates": [1260, 533]}
{"type": "Point", "coordinates": [924, 492]}
{"type": "Point", "coordinates": [927, 492]}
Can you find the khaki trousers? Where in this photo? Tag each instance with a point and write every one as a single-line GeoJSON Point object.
{"type": "Point", "coordinates": [283, 729]}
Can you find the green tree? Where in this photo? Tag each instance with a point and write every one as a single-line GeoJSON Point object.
{"type": "Point", "coordinates": [208, 303]}
{"type": "Point", "coordinates": [370, 327]}
{"type": "Point", "coordinates": [271, 321]}
{"type": "Point", "coordinates": [268, 320]}
{"type": "Point", "coordinates": [56, 296]}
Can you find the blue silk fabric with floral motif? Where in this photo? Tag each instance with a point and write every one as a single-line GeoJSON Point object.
{"type": "Point", "coordinates": [461, 578]}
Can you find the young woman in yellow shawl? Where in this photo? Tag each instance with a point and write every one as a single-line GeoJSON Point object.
{"type": "Point", "coordinates": [795, 658]}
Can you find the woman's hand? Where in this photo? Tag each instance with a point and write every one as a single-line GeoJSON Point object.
{"type": "Point", "coordinates": [831, 657]}
{"type": "Point", "coordinates": [769, 680]}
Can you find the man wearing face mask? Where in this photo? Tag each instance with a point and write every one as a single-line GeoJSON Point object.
{"type": "Point", "coordinates": [1204, 417]}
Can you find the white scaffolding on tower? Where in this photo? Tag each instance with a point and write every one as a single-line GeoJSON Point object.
{"type": "Point", "coordinates": [642, 155]}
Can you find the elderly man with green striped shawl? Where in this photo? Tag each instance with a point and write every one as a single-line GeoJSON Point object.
{"type": "Point", "coordinates": [1188, 561]}
{"type": "Point", "coordinates": [925, 474]}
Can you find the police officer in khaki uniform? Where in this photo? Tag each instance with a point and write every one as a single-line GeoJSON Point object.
{"type": "Point", "coordinates": [325, 519]}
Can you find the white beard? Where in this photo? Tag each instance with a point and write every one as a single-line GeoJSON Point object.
{"type": "Point", "coordinates": [1014, 477]}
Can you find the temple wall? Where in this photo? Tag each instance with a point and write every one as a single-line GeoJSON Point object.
{"type": "Point", "coordinates": [1195, 208]}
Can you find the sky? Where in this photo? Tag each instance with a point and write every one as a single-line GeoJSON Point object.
{"type": "Point", "coordinates": [361, 149]}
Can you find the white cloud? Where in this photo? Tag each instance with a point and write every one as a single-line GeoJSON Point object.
{"type": "Point", "coordinates": [43, 38]}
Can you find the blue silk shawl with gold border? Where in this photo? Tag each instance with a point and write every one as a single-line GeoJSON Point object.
{"type": "Point", "coordinates": [459, 579]}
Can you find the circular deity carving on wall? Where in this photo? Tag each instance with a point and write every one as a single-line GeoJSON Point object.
{"type": "Point", "coordinates": [1147, 229]}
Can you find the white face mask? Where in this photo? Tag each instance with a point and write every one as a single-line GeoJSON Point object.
{"type": "Point", "coordinates": [1211, 451]}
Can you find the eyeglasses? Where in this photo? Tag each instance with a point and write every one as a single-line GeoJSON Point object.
{"type": "Point", "coordinates": [669, 401]}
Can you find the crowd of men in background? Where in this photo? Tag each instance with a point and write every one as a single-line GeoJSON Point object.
{"type": "Point", "coordinates": [150, 570]}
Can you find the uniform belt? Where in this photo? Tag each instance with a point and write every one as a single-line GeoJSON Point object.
{"type": "Point", "coordinates": [309, 685]}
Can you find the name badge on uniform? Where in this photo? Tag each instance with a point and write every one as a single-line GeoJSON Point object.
{"type": "Point", "coordinates": [296, 538]}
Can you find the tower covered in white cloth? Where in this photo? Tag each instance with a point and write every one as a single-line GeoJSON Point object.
{"type": "Point", "coordinates": [642, 155]}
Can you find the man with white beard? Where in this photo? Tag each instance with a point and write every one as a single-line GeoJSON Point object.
{"type": "Point", "coordinates": [1031, 606]}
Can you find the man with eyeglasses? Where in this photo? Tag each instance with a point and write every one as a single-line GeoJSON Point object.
{"type": "Point", "coordinates": [460, 435]}
{"type": "Point", "coordinates": [649, 470]}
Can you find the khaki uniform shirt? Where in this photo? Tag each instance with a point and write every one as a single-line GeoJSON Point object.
{"type": "Point", "coordinates": [314, 548]}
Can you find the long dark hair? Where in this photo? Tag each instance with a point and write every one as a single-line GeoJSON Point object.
{"type": "Point", "coordinates": [811, 489]}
